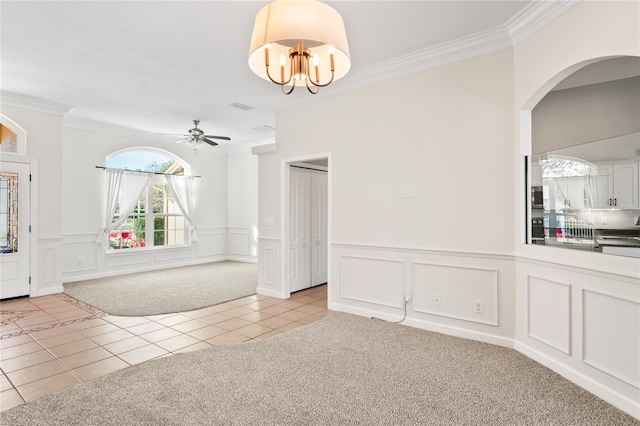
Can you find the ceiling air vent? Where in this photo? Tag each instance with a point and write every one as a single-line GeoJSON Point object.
{"type": "Point", "coordinates": [243, 107]}
{"type": "Point", "coordinates": [264, 129]}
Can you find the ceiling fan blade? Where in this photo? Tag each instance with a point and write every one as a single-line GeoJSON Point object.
{"type": "Point", "coordinates": [183, 140]}
{"type": "Point", "coordinates": [224, 138]}
{"type": "Point", "coordinates": [174, 134]}
{"type": "Point", "coordinates": [210, 142]}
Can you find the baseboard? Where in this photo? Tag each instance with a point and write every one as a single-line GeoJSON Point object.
{"type": "Point", "coordinates": [105, 274]}
{"type": "Point", "coordinates": [628, 405]}
{"type": "Point", "coordinates": [246, 259]}
{"type": "Point", "coordinates": [47, 291]}
{"type": "Point", "coordinates": [427, 325]}
{"type": "Point", "coordinates": [270, 293]}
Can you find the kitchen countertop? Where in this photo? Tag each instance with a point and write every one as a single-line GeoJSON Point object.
{"type": "Point", "coordinates": [623, 239]}
{"type": "Point", "coordinates": [618, 242]}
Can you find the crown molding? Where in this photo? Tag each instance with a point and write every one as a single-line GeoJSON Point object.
{"type": "Point", "coordinates": [534, 16]}
{"type": "Point", "coordinates": [452, 51]}
{"type": "Point", "coordinates": [34, 104]}
{"type": "Point", "coordinates": [530, 19]}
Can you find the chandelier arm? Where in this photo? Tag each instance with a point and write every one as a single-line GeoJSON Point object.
{"type": "Point", "coordinates": [293, 86]}
{"type": "Point", "coordinates": [306, 81]}
{"type": "Point", "coordinates": [322, 85]}
{"type": "Point", "coordinates": [278, 82]}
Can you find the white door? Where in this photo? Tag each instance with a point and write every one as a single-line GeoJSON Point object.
{"type": "Point", "coordinates": [14, 229]}
{"type": "Point", "coordinates": [319, 213]}
{"type": "Point", "coordinates": [299, 234]}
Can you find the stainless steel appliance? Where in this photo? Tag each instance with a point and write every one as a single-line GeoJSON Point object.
{"type": "Point", "coordinates": [536, 197]}
{"type": "Point", "coordinates": [537, 230]}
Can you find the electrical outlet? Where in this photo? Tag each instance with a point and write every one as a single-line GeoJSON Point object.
{"type": "Point", "coordinates": [478, 306]}
{"type": "Point", "coordinates": [436, 299]}
{"type": "Point", "coordinates": [407, 297]}
{"type": "Point", "coordinates": [604, 220]}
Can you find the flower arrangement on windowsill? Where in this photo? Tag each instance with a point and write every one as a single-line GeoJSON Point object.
{"type": "Point", "coordinates": [125, 239]}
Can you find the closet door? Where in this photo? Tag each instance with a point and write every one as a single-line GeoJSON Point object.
{"type": "Point", "coordinates": [299, 232]}
{"type": "Point", "coordinates": [319, 213]}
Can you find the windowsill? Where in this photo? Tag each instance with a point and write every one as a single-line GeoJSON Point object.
{"type": "Point", "coordinates": [111, 252]}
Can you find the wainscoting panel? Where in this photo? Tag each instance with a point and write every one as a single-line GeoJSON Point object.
{"type": "Point", "coordinates": [269, 266]}
{"type": "Point", "coordinates": [454, 291]}
{"type": "Point", "coordinates": [269, 283]}
{"type": "Point", "coordinates": [549, 313]}
{"type": "Point", "coordinates": [167, 255]}
{"type": "Point", "coordinates": [79, 253]}
{"type": "Point", "coordinates": [611, 326]}
{"type": "Point", "coordinates": [211, 242]}
{"type": "Point", "coordinates": [49, 278]}
{"type": "Point", "coordinates": [239, 242]}
{"type": "Point", "coordinates": [371, 280]}
{"type": "Point", "coordinates": [126, 259]}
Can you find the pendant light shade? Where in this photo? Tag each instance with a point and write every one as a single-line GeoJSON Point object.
{"type": "Point", "coordinates": [297, 41]}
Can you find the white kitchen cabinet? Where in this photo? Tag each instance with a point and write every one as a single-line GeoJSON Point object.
{"type": "Point", "coordinates": [569, 193]}
{"type": "Point", "coordinates": [603, 186]}
{"type": "Point", "coordinates": [617, 185]}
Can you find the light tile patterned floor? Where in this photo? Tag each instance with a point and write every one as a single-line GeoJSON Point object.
{"type": "Point", "coordinates": [50, 343]}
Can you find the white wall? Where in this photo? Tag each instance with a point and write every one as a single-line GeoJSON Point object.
{"type": "Point", "coordinates": [578, 313]}
{"type": "Point", "coordinates": [243, 206]}
{"type": "Point", "coordinates": [44, 150]}
{"type": "Point", "coordinates": [69, 196]}
{"type": "Point", "coordinates": [449, 139]}
{"type": "Point", "coordinates": [84, 199]}
{"type": "Point", "coordinates": [443, 139]}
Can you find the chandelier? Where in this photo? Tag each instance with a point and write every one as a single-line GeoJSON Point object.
{"type": "Point", "coordinates": [297, 42]}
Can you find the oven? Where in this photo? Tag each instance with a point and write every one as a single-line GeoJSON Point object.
{"type": "Point", "coordinates": [537, 230]}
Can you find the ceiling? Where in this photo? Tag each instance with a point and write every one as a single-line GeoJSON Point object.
{"type": "Point", "coordinates": [152, 67]}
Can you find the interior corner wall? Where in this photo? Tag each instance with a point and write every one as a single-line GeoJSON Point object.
{"type": "Point", "coordinates": [243, 206]}
{"type": "Point", "coordinates": [577, 312]}
{"type": "Point", "coordinates": [44, 145]}
{"type": "Point", "coordinates": [84, 191]}
{"type": "Point", "coordinates": [422, 184]}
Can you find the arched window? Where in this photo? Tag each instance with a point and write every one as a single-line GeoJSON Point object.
{"type": "Point", "coordinates": [157, 218]}
{"type": "Point", "coordinates": [13, 138]}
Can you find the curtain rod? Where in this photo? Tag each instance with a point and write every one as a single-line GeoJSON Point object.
{"type": "Point", "coordinates": [140, 171]}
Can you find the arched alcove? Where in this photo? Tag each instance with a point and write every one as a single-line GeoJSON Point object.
{"type": "Point", "coordinates": [588, 112]}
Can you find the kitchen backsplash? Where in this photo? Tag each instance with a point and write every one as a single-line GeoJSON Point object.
{"type": "Point", "coordinates": [611, 219]}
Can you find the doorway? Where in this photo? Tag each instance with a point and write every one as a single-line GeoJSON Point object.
{"type": "Point", "coordinates": [15, 241]}
{"type": "Point", "coordinates": [307, 251]}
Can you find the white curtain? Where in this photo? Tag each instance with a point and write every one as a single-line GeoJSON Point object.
{"type": "Point", "coordinates": [183, 189]}
{"type": "Point", "coordinates": [125, 187]}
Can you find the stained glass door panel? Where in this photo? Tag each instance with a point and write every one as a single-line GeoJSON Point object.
{"type": "Point", "coordinates": [14, 229]}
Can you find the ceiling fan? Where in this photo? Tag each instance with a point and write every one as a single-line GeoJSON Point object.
{"type": "Point", "coordinates": [196, 136]}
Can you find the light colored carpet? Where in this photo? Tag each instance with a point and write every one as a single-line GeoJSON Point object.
{"type": "Point", "coordinates": [168, 290]}
{"type": "Point", "coordinates": [342, 370]}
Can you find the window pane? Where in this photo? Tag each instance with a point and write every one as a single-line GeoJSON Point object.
{"type": "Point", "coordinates": [159, 234]}
{"type": "Point", "coordinates": [159, 196]}
{"type": "Point", "coordinates": [8, 140]}
{"type": "Point", "coordinates": [175, 230]}
{"type": "Point", "coordinates": [129, 234]}
{"type": "Point", "coordinates": [9, 212]}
